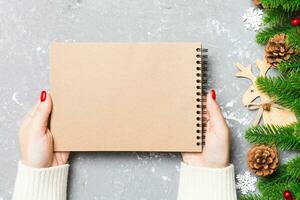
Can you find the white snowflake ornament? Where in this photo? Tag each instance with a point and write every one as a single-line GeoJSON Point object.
{"type": "Point", "coordinates": [246, 183]}
{"type": "Point", "coordinates": [253, 19]}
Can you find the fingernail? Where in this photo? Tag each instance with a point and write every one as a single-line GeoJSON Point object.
{"type": "Point", "coordinates": [213, 94]}
{"type": "Point", "coordinates": [43, 96]}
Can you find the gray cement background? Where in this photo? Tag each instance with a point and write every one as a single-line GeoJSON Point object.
{"type": "Point", "coordinates": [28, 27]}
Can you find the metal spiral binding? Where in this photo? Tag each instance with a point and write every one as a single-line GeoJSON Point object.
{"type": "Point", "coordinates": [201, 87]}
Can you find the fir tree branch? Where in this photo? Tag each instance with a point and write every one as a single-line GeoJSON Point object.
{"type": "Point", "coordinates": [277, 17]}
{"type": "Point", "coordinates": [293, 39]}
{"type": "Point", "coordinates": [276, 191]}
{"type": "Point", "coordinates": [297, 195]}
{"type": "Point", "coordinates": [281, 90]}
{"type": "Point", "coordinates": [284, 137]}
{"type": "Point", "coordinates": [285, 90]}
{"type": "Point", "coordinates": [281, 84]}
{"type": "Point", "coordinates": [293, 168]}
{"type": "Point", "coordinates": [292, 64]}
{"type": "Point", "coordinates": [252, 197]}
{"type": "Point", "coordinates": [263, 36]}
{"type": "Point", "coordinates": [294, 79]}
{"type": "Point", "coordinates": [281, 180]}
{"type": "Point", "coordinates": [287, 5]}
{"type": "Point", "coordinates": [282, 175]}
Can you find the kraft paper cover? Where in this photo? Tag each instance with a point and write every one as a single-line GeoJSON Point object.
{"type": "Point", "coordinates": [124, 97]}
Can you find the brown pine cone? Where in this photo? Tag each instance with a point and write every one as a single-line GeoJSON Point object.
{"type": "Point", "coordinates": [257, 3]}
{"type": "Point", "coordinates": [278, 50]}
{"type": "Point", "coordinates": [263, 160]}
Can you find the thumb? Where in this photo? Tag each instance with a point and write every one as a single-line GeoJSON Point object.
{"type": "Point", "coordinates": [215, 117]}
{"type": "Point", "coordinates": [42, 112]}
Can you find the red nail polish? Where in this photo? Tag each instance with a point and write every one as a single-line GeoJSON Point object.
{"type": "Point", "coordinates": [213, 94]}
{"type": "Point", "coordinates": [43, 96]}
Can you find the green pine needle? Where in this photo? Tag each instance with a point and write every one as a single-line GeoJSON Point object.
{"type": "Point", "coordinates": [285, 178]}
{"type": "Point", "coordinates": [293, 39]}
{"type": "Point", "coordinates": [280, 84]}
{"type": "Point", "coordinates": [284, 137]}
{"type": "Point", "coordinates": [293, 168]}
{"type": "Point", "coordinates": [292, 64]}
{"type": "Point", "coordinates": [294, 79]}
{"type": "Point", "coordinates": [277, 17]}
{"type": "Point", "coordinates": [282, 175]}
{"type": "Point", "coordinates": [286, 5]}
{"type": "Point", "coordinates": [264, 35]}
{"type": "Point", "coordinates": [275, 191]}
{"type": "Point", "coordinates": [282, 90]}
{"type": "Point", "coordinates": [253, 197]}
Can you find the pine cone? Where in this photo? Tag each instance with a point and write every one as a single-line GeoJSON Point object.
{"type": "Point", "coordinates": [263, 160]}
{"type": "Point", "coordinates": [257, 3]}
{"type": "Point", "coordinates": [277, 50]}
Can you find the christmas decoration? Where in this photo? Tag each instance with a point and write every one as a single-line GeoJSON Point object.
{"type": "Point", "coordinates": [246, 182]}
{"type": "Point", "coordinates": [284, 137]}
{"type": "Point", "coordinates": [295, 21]}
{"type": "Point", "coordinates": [270, 112]}
{"type": "Point", "coordinates": [257, 3]}
{"type": "Point", "coordinates": [263, 160]}
{"type": "Point", "coordinates": [253, 19]}
{"type": "Point", "coordinates": [287, 177]}
{"type": "Point", "coordinates": [277, 20]}
{"type": "Point", "coordinates": [281, 34]}
{"type": "Point", "coordinates": [277, 50]}
{"type": "Point", "coordinates": [287, 195]}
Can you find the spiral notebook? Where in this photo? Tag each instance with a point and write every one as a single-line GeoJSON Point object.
{"type": "Point", "coordinates": [128, 96]}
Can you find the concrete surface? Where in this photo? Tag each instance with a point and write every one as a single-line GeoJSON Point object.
{"type": "Point", "coordinates": [28, 27]}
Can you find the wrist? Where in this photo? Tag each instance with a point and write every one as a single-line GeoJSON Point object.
{"type": "Point", "coordinates": [42, 167]}
{"type": "Point", "coordinates": [36, 163]}
{"type": "Point", "coordinates": [196, 162]}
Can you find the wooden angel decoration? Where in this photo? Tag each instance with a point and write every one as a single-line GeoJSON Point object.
{"type": "Point", "coordinates": [254, 99]}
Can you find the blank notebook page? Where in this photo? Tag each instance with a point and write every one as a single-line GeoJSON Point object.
{"type": "Point", "coordinates": [126, 97]}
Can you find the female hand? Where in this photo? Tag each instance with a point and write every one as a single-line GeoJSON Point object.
{"type": "Point", "coordinates": [36, 140]}
{"type": "Point", "coordinates": [217, 140]}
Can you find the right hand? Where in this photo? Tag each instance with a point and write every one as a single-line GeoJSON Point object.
{"type": "Point", "coordinates": [36, 141]}
{"type": "Point", "coordinates": [217, 139]}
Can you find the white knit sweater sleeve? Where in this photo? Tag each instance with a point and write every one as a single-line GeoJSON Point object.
{"type": "Point", "coordinates": [41, 183]}
{"type": "Point", "coordinates": [197, 183]}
